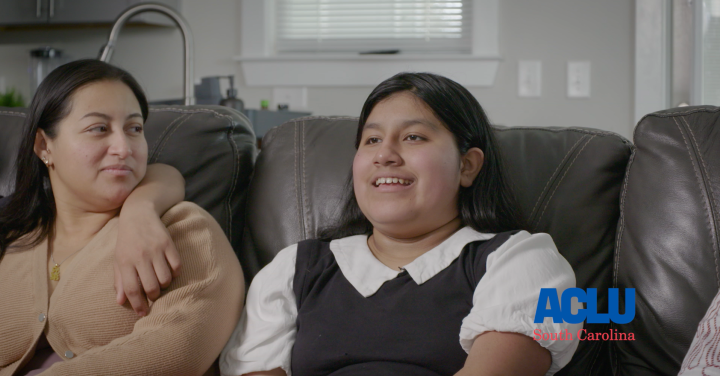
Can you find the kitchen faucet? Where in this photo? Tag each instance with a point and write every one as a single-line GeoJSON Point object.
{"type": "Point", "coordinates": [107, 51]}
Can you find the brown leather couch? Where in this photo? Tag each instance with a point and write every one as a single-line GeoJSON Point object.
{"type": "Point", "coordinates": [644, 216]}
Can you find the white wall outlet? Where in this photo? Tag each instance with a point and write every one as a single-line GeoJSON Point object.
{"type": "Point", "coordinates": [529, 78]}
{"type": "Point", "coordinates": [294, 97]}
{"type": "Point", "coordinates": [578, 79]}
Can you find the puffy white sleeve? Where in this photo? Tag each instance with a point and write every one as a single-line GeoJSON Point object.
{"type": "Point", "coordinates": [264, 337]}
{"type": "Point", "coordinates": [703, 358]}
{"type": "Point", "coordinates": [506, 297]}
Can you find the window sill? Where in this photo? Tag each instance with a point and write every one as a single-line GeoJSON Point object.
{"type": "Point", "coordinates": [363, 70]}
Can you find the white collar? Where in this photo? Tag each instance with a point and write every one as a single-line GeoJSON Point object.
{"type": "Point", "coordinates": [366, 273]}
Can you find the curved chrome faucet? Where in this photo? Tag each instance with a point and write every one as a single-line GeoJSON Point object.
{"type": "Point", "coordinates": [179, 21]}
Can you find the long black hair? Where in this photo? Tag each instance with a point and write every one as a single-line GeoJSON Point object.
{"type": "Point", "coordinates": [31, 208]}
{"type": "Point", "coordinates": [489, 204]}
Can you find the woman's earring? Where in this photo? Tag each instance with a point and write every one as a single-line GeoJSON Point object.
{"type": "Point", "coordinates": [45, 161]}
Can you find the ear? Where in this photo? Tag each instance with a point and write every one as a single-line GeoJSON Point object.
{"type": "Point", "coordinates": [41, 146]}
{"type": "Point", "coordinates": [470, 165]}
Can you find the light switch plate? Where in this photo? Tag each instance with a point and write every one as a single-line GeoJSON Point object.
{"type": "Point", "coordinates": [529, 78]}
{"type": "Point", "coordinates": [578, 79]}
{"type": "Point", "coordinates": [294, 97]}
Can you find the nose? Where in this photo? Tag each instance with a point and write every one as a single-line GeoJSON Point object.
{"type": "Point", "coordinates": [388, 154]}
{"type": "Point", "coordinates": [120, 145]}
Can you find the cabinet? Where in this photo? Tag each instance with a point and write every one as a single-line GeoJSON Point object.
{"type": "Point", "coordinates": [68, 12]}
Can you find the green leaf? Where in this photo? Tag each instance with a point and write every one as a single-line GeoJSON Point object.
{"type": "Point", "coordinates": [11, 98]}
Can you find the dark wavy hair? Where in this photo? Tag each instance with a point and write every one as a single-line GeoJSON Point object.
{"type": "Point", "coordinates": [32, 207]}
{"type": "Point", "coordinates": [489, 205]}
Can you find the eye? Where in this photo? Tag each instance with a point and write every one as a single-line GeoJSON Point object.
{"type": "Point", "coordinates": [136, 128]}
{"type": "Point", "coordinates": [372, 140]}
{"type": "Point", "coordinates": [414, 137]}
{"type": "Point", "coordinates": [100, 128]}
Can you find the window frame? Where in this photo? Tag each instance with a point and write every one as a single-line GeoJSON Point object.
{"type": "Point", "coordinates": [261, 66]}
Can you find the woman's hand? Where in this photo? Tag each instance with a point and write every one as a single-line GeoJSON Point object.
{"type": "Point", "coordinates": [145, 256]}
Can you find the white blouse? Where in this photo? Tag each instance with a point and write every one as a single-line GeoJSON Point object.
{"type": "Point", "coordinates": [504, 300]}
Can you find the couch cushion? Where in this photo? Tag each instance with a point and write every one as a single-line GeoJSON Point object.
{"type": "Point", "coordinates": [668, 245]}
{"type": "Point", "coordinates": [567, 180]}
{"type": "Point", "coordinates": [212, 146]}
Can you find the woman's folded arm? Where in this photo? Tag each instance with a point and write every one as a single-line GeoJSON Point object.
{"type": "Point", "coordinates": [190, 323]}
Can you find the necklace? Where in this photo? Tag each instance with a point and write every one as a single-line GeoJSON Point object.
{"type": "Point", "coordinates": [55, 271]}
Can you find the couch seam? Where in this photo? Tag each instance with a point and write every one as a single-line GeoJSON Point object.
{"type": "Point", "coordinates": [166, 138]}
{"type": "Point", "coordinates": [544, 129]}
{"type": "Point", "coordinates": [711, 194]}
{"type": "Point", "coordinates": [165, 131]}
{"type": "Point", "coordinates": [618, 242]}
{"type": "Point", "coordinates": [194, 111]}
{"type": "Point", "coordinates": [305, 118]}
{"type": "Point", "coordinates": [547, 202]}
{"type": "Point", "coordinates": [20, 114]}
{"type": "Point", "coordinates": [592, 365]}
{"type": "Point", "coordinates": [298, 200]}
{"type": "Point", "coordinates": [306, 205]}
{"type": "Point", "coordinates": [621, 220]}
{"type": "Point", "coordinates": [547, 183]}
{"type": "Point", "coordinates": [236, 173]}
{"type": "Point", "coordinates": [682, 113]}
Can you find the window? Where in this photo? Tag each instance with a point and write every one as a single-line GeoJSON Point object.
{"type": "Point", "coordinates": [352, 26]}
{"type": "Point", "coordinates": [316, 42]}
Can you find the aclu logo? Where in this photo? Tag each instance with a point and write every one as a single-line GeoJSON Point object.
{"type": "Point", "coordinates": [549, 306]}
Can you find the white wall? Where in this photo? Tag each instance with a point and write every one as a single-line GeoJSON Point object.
{"type": "Point", "coordinates": [553, 31]}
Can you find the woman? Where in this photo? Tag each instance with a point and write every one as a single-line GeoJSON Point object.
{"type": "Point", "coordinates": [84, 138]}
{"type": "Point", "coordinates": [439, 281]}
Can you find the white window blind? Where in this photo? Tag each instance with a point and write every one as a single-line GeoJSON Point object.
{"type": "Point", "coordinates": [352, 26]}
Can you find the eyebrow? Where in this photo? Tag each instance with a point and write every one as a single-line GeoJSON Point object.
{"type": "Point", "coordinates": [405, 124]}
{"type": "Point", "coordinates": [108, 117]}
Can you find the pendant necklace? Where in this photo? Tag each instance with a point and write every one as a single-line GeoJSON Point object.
{"type": "Point", "coordinates": [55, 271]}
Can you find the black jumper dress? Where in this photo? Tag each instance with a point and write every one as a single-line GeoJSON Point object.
{"type": "Point", "coordinates": [402, 329]}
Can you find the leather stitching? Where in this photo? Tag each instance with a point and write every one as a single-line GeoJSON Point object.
{"type": "Point", "coordinates": [236, 174]}
{"type": "Point", "coordinates": [684, 112]}
{"type": "Point", "coordinates": [21, 114]}
{"type": "Point", "coordinates": [621, 221]}
{"type": "Point", "coordinates": [165, 139]}
{"type": "Point", "coordinates": [193, 111]}
{"type": "Point", "coordinates": [713, 196]}
{"type": "Point", "coordinates": [298, 201]}
{"type": "Point", "coordinates": [597, 355]}
{"type": "Point", "coordinates": [547, 202]}
{"type": "Point", "coordinates": [314, 117]}
{"type": "Point", "coordinates": [702, 186]}
{"type": "Point", "coordinates": [306, 205]}
{"type": "Point", "coordinates": [554, 130]}
{"type": "Point", "coordinates": [542, 193]}
{"type": "Point", "coordinates": [560, 130]}
{"type": "Point", "coordinates": [618, 238]}
{"type": "Point", "coordinates": [164, 134]}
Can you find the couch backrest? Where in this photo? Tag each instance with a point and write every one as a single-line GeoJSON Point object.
{"type": "Point", "coordinates": [669, 236]}
{"type": "Point", "coordinates": [213, 147]}
{"type": "Point", "coordinates": [567, 180]}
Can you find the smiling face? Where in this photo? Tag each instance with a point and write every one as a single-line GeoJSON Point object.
{"type": "Point", "coordinates": [403, 139]}
{"type": "Point", "coordinates": [99, 153]}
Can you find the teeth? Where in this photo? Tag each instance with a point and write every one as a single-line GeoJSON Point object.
{"type": "Point", "coordinates": [392, 181]}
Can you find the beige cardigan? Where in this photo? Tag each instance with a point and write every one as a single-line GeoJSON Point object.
{"type": "Point", "coordinates": [183, 333]}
